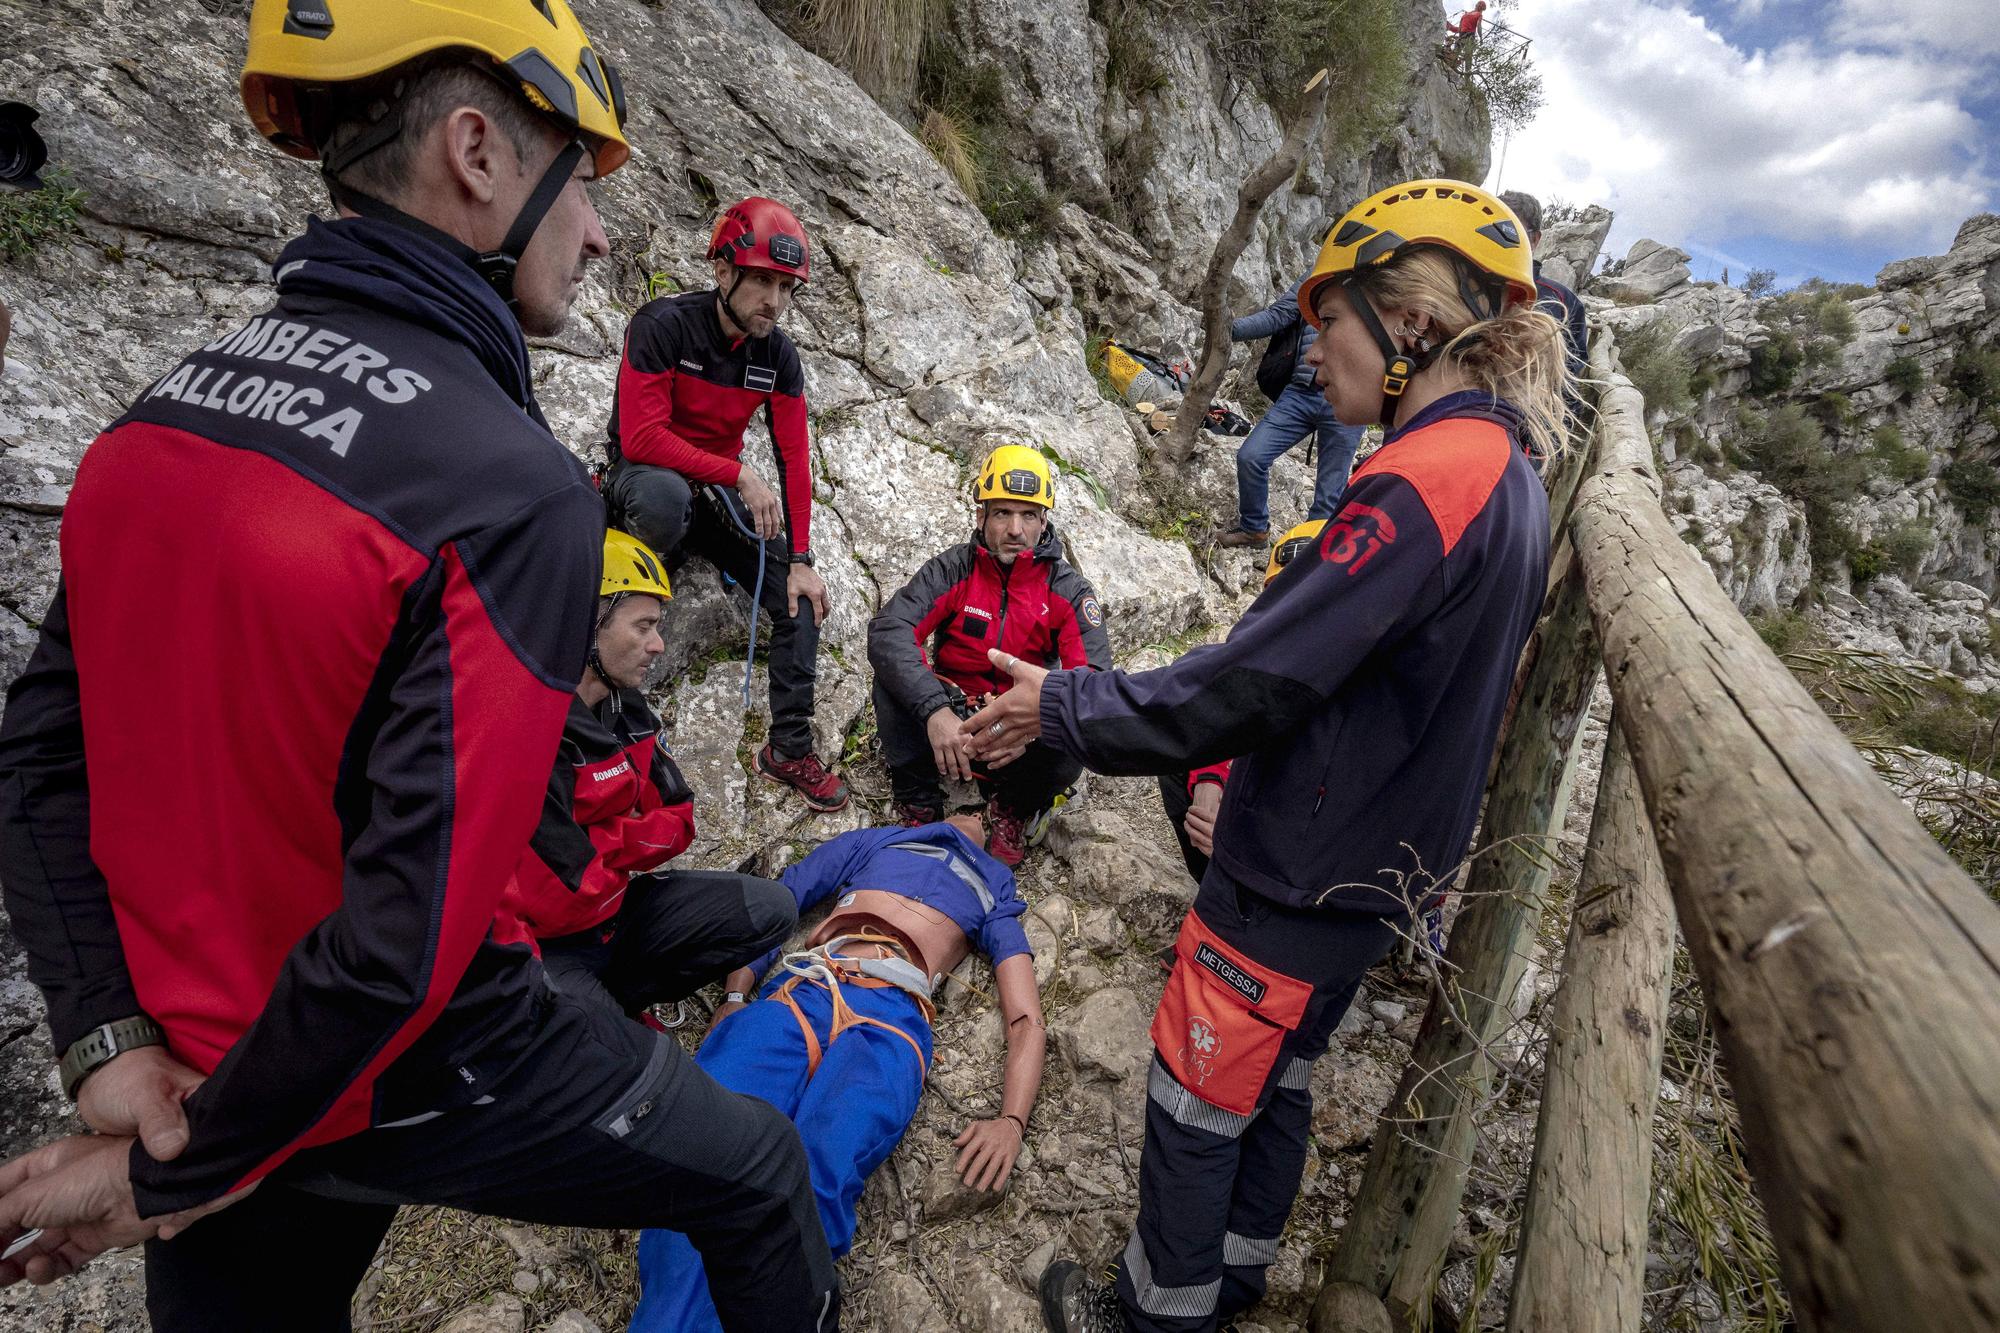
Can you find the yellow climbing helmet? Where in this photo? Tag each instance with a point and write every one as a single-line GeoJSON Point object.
{"type": "Point", "coordinates": [536, 46]}
{"type": "Point", "coordinates": [1461, 218]}
{"type": "Point", "coordinates": [631, 566]}
{"type": "Point", "coordinates": [1291, 544]}
{"type": "Point", "coordinates": [1016, 472]}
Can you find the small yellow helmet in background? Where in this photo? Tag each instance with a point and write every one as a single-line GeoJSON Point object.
{"type": "Point", "coordinates": [1291, 544]}
{"type": "Point", "coordinates": [631, 566]}
{"type": "Point", "coordinates": [1016, 472]}
{"type": "Point", "coordinates": [534, 46]}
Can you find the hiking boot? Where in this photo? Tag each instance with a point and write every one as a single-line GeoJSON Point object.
{"type": "Point", "coordinates": [1073, 1301]}
{"type": "Point", "coordinates": [1006, 834]}
{"type": "Point", "coordinates": [916, 816]}
{"type": "Point", "coordinates": [1244, 537]}
{"type": "Point", "coordinates": [823, 791]}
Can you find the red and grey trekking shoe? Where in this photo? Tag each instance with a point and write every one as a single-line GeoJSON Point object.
{"type": "Point", "coordinates": [916, 816]}
{"type": "Point", "coordinates": [806, 775]}
{"type": "Point", "coordinates": [1006, 834]}
{"type": "Point", "coordinates": [1075, 1301]}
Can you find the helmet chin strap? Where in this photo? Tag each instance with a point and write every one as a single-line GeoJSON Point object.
{"type": "Point", "coordinates": [729, 301]}
{"type": "Point", "coordinates": [595, 662]}
{"type": "Point", "coordinates": [1398, 367]}
{"type": "Point", "coordinates": [496, 266]}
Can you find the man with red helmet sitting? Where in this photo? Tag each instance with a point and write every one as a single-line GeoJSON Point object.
{"type": "Point", "coordinates": [696, 368]}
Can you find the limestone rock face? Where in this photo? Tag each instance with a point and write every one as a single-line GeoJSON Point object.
{"type": "Point", "coordinates": [1569, 250]}
{"type": "Point", "coordinates": [1884, 393]}
{"type": "Point", "coordinates": [1651, 271]}
{"type": "Point", "coordinates": [1750, 535]}
{"type": "Point", "coordinates": [1169, 159]}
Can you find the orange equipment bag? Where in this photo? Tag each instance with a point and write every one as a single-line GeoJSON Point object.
{"type": "Point", "coordinates": [1223, 1019]}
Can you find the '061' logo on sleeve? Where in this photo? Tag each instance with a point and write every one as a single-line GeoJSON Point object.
{"type": "Point", "coordinates": [1356, 534]}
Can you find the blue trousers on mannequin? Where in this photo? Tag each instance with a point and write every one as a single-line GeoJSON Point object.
{"type": "Point", "coordinates": [1297, 414]}
{"type": "Point", "coordinates": [851, 1113]}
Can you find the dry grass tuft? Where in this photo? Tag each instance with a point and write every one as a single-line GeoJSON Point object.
{"type": "Point", "coordinates": [952, 145]}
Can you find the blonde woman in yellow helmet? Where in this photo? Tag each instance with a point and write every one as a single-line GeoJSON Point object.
{"type": "Point", "coordinates": [268, 911]}
{"type": "Point", "coordinates": [1361, 694]}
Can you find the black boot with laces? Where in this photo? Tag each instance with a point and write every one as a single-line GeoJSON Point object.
{"type": "Point", "coordinates": [1074, 1301]}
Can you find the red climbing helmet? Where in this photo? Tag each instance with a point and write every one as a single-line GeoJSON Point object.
{"type": "Point", "coordinates": [762, 233]}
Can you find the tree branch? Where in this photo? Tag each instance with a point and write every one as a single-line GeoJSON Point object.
{"type": "Point", "coordinates": [1258, 186]}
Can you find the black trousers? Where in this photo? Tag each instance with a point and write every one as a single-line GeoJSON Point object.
{"type": "Point", "coordinates": [1216, 1186]}
{"type": "Point", "coordinates": [1025, 787]}
{"type": "Point", "coordinates": [1176, 801]}
{"type": "Point", "coordinates": [674, 933]}
{"type": "Point", "coordinates": [679, 519]}
{"type": "Point", "coordinates": [602, 1123]}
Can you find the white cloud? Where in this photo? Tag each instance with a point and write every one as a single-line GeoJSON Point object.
{"type": "Point", "coordinates": [1692, 140]}
{"type": "Point", "coordinates": [1962, 26]}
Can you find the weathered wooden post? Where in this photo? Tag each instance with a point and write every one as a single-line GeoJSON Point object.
{"type": "Point", "coordinates": [1853, 971]}
{"type": "Point", "coordinates": [1415, 1179]}
{"type": "Point", "coordinates": [1582, 1258]}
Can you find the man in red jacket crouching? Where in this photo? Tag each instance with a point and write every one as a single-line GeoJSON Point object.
{"type": "Point", "coordinates": [589, 893]}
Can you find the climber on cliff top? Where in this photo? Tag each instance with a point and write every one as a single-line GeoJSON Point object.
{"type": "Point", "coordinates": [255, 866]}
{"type": "Point", "coordinates": [696, 368]}
{"type": "Point", "coordinates": [1361, 692]}
{"type": "Point", "coordinates": [1008, 587]}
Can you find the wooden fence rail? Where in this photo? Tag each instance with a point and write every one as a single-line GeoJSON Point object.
{"type": "Point", "coordinates": [1851, 970]}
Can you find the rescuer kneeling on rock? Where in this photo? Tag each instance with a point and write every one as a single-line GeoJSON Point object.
{"type": "Point", "coordinates": [1362, 692]}
{"type": "Point", "coordinates": [592, 894]}
{"type": "Point", "coordinates": [840, 1039]}
{"type": "Point", "coordinates": [1010, 588]}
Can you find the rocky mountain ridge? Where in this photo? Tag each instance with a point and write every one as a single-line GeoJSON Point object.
{"type": "Point", "coordinates": [1830, 451]}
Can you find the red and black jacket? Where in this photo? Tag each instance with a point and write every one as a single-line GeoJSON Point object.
{"type": "Point", "coordinates": [616, 806]}
{"type": "Point", "coordinates": [326, 592]}
{"type": "Point", "coordinates": [1363, 689]}
{"type": "Point", "coordinates": [963, 602]}
{"type": "Point", "coordinates": [686, 393]}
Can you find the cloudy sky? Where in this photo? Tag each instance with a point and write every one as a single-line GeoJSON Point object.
{"type": "Point", "coordinates": [1811, 137]}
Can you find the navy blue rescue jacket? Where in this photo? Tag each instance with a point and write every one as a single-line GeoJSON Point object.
{"type": "Point", "coordinates": [1364, 687]}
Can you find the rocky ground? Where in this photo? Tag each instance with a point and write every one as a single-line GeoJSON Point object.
{"type": "Point", "coordinates": [1105, 894]}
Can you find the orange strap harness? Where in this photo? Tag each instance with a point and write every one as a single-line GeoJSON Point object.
{"type": "Point", "coordinates": [833, 971]}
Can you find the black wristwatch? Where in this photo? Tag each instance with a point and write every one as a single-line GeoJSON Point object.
{"type": "Point", "coordinates": [802, 557]}
{"type": "Point", "coordinates": [96, 1047]}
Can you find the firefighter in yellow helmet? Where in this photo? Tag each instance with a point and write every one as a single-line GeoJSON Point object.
{"type": "Point", "coordinates": [454, 122]}
{"type": "Point", "coordinates": [1009, 586]}
{"type": "Point", "coordinates": [1361, 694]}
{"type": "Point", "coordinates": [264, 916]}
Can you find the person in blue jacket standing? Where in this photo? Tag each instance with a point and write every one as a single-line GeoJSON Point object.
{"type": "Point", "coordinates": [1362, 692]}
{"type": "Point", "coordinates": [1298, 413]}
